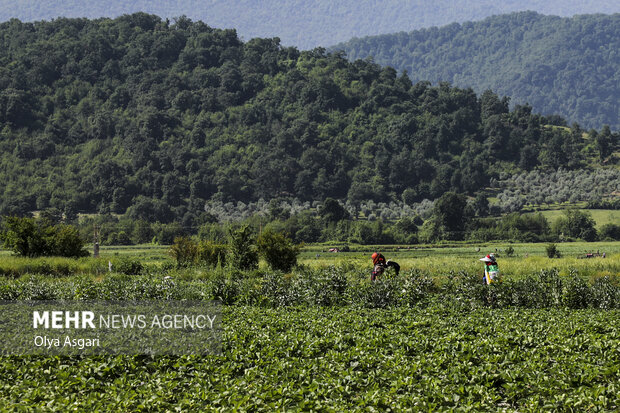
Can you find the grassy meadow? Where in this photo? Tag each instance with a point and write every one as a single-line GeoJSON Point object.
{"type": "Point", "coordinates": [435, 260]}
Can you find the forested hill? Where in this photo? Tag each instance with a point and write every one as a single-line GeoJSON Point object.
{"type": "Point", "coordinates": [302, 23]}
{"type": "Point", "coordinates": [139, 115]}
{"type": "Point", "coordinates": [568, 66]}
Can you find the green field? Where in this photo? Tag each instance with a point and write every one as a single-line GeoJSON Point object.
{"type": "Point", "coordinates": [326, 338]}
{"type": "Point", "coordinates": [527, 258]}
{"type": "Point", "coordinates": [436, 260]}
{"type": "Point", "coordinates": [345, 359]}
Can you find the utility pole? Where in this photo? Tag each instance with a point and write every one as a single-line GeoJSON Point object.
{"type": "Point", "coordinates": [96, 241]}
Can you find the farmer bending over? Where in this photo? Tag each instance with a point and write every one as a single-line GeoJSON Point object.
{"type": "Point", "coordinates": [380, 265]}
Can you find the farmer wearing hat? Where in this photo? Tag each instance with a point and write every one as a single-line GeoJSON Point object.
{"type": "Point", "coordinates": [491, 269]}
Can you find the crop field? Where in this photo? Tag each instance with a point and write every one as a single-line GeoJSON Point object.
{"type": "Point", "coordinates": [346, 359]}
{"type": "Point", "coordinates": [325, 338]}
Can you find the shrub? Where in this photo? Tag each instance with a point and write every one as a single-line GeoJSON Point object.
{"type": "Point", "coordinates": [184, 251]}
{"type": "Point", "coordinates": [326, 287]}
{"type": "Point", "coordinates": [552, 251]}
{"type": "Point", "coordinates": [278, 290]}
{"type": "Point", "coordinates": [242, 250]}
{"type": "Point", "coordinates": [127, 266]}
{"type": "Point", "coordinates": [466, 287]}
{"type": "Point", "coordinates": [536, 291]}
{"type": "Point", "coordinates": [610, 232]}
{"type": "Point", "coordinates": [210, 253]}
{"type": "Point", "coordinates": [65, 241]}
{"type": "Point", "coordinates": [381, 293]}
{"type": "Point", "coordinates": [278, 250]}
{"type": "Point", "coordinates": [31, 238]}
{"type": "Point", "coordinates": [510, 251]}
{"type": "Point", "coordinates": [604, 293]}
{"type": "Point", "coordinates": [188, 252]}
{"type": "Point", "coordinates": [576, 292]}
{"type": "Point", "coordinates": [24, 237]}
{"type": "Point", "coordinates": [224, 288]}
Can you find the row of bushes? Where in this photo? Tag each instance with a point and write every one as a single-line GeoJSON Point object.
{"type": "Point", "coordinates": [332, 286]}
{"type": "Point", "coordinates": [241, 251]}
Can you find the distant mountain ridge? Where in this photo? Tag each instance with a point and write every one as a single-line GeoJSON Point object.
{"type": "Point", "coordinates": [305, 24]}
{"type": "Point", "coordinates": [566, 66]}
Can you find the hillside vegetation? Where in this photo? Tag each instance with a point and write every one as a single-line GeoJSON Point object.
{"type": "Point", "coordinates": [305, 24]}
{"type": "Point", "coordinates": [566, 66]}
{"type": "Point", "coordinates": [142, 116]}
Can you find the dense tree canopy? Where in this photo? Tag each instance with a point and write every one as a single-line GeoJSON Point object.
{"type": "Point", "coordinates": [566, 66]}
{"type": "Point", "coordinates": [150, 118]}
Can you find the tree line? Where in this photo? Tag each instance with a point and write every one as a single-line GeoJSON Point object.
{"type": "Point", "coordinates": [277, 236]}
